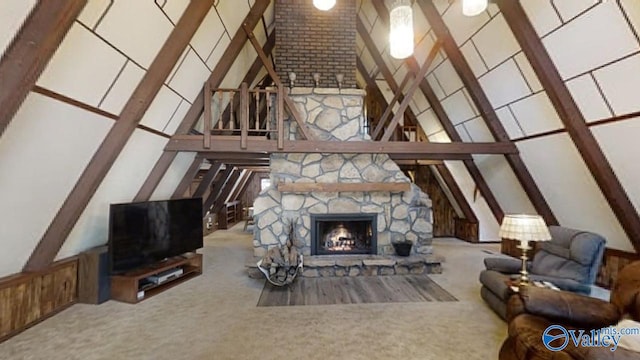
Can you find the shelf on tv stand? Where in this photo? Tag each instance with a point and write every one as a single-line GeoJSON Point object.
{"type": "Point", "coordinates": [125, 287]}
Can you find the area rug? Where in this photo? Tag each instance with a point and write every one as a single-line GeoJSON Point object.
{"type": "Point", "coordinates": [354, 290]}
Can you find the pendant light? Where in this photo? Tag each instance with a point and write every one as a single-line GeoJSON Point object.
{"type": "Point", "coordinates": [324, 5]}
{"type": "Point", "coordinates": [401, 29]}
{"type": "Point", "coordinates": [473, 7]}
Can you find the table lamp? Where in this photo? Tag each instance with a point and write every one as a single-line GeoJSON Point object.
{"type": "Point", "coordinates": [524, 228]}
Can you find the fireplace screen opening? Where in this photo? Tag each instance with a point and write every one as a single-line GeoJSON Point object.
{"type": "Point", "coordinates": [343, 234]}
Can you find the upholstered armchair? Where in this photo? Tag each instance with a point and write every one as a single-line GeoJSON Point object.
{"type": "Point", "coordinates": [570, 261]}
{"type": "Point", "coordinates": [534, 309]}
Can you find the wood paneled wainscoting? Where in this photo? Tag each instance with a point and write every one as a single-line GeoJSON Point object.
{"type": "Point", "coordinates": [28, 298]}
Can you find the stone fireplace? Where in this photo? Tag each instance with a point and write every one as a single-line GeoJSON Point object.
{"type": "Point", "coordinates": [337, 115]}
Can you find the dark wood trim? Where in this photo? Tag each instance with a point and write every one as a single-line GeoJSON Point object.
{"type": "Point", "coordinates": [207, 179]}
{"type": "Point", "coordinates": [389, 106]}
{"type": "Point", "coordinates": [106, 155]}
{"type": "Point", "coordinates": [188, 177]}
{"type": "Point", "coordinates": [261, 145]}
{"type": "Point", "coordinates": [572, 119]}
{"type": "Point", "coordinates": [67, 100]}
{"type": "Point", "coordinates": [455, 190]}
{"type": "Point", "coordinates": [486, 110]}
{"type": "Point", "coordinates": [30, 50]}
{"type": "Point", "coordinates": [215, 190]}
{"type": "Point", "coordinates": [343, 187]}
{"type": "Point", "coordinates": [224, 65]}
{"type": "Point", "coordinates": [218, 203]}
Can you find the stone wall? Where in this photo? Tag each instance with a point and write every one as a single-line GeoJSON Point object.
{"type": "Point", "coordinates": [336, 115]}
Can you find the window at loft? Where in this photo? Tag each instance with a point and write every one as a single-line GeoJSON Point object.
{"type": "Point", "coordinates": [265, 183]}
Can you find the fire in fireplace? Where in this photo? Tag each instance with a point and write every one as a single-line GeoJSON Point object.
{"type": "Point", "coordinates": [343, 234]}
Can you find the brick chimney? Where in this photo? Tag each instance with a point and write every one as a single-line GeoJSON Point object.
{"type": "Point", "coordinates": [309, 40]}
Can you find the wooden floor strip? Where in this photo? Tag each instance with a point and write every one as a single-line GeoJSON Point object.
{"type": "Point", "coordinates": [355, 290]}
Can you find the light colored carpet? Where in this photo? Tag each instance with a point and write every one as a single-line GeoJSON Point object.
{"type": "Point", "coordinates": [214, 316]}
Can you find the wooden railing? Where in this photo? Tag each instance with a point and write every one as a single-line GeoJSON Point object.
{"type": "Point", "coordinates": [245, 112]}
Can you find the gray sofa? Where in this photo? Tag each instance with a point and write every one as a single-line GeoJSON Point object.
{"type": "Point", "coordinates": [570, 261]}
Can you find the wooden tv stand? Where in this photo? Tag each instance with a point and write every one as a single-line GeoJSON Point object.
{"type": "Point", "coordinates": [126, 287]}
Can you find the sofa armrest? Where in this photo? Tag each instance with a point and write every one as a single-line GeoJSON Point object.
{"type": "Point", "coordinates": [564, 284]}
{"type": "Point", "coordinates": [503, 265]}
{"type": "Point", "coordinates": [563, 307]}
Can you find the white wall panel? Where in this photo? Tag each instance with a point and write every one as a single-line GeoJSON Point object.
{"type": "Point", "coordinates": [447, 77]}
{"type": "Point", "coordinates": [462, 131]}
{"type": "Point", "coordinates": [173, 176]}
{"type": "Point", "coordinates": [460, 26]}
{"type": "Point", "coordinates": [435, 85]}
{"type": "Point", "coordinates": [585, 92]}
{"type": "Point", "coordinates": [509, 123]}
{"type": "Point", "coordinates": [241, 66]}
{"type": "Point", "coordinates": [496, 42]}
{"type": "Point", "coordinates": [93, 11]}
{"type": "Point", "coordinates": [120, 185]}
{"type": "Point", "coordinates": [190, 77]}
{"type": "Point", "coordinates": [422, 50]}
{"type": "Point", "coordinates": [429, 122]}
{"type": "Point", "coordinates": [177, 118]}
{"type": "Point", "coordinates": [632, 9]}
{"type": "Point", "coordinates": [473, 58]}
{"type": "Point", "coordinates": [529, 74]}
{"type": "Point", "coordinates": [122, 89]}
{"type": "Point", "coordinates": [488, 226]}
{"type": "Point", "coordinates": [620, 83]}
{"type": "Point", "coordinates": [458, 108]}
{"type": "Point", "coordinates": [569, 188]}
{"type": "Point", "coordinates": [83, 68]}
{"type": "Point", "coordinates": [161, 109]}
{"type": "Point", "coordinates": [583, 44]}
{"type": "Point", "coordinates": [504, 184]}
{"type": "Point", "coordinates": [504, 84]}
{"type": "Point", "coordinates": [568, 9]}
{"type": "Point", "coordinates": [43, 151]}
{"type": "Point", "coordinates": [618, 141]}
{"type": "Point", "coordinates": [232, 14]}
{"type": "Point", "coordinates": [536, 114]}
{"type": "Point", "coordinates": [542, 15]}
{"type": "Point", "coordinates": [208, 34]}
{"type": "Point", "coordinates": [12, 14]}
{"type": "Point", "coordinates": [175, 8]}
{"type": "Point", "coordinates": [478, 130]}
{"type": "Point", "coordinates": [218, 51]}
{"type": "Point", "coordinates": [145, 31]}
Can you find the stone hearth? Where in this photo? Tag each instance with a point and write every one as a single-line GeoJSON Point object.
{"type": "Point", "coordinates": [337, 115]}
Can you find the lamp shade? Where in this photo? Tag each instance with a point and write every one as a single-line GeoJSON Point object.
{"type": "Point", "coordinates": [401, 29]}
{"type": "Point", "coordinates": [324, 5]}
{"type": "Point", "coordinates": [524, 228]}
{"type": "Point", "coordinates": [473, 7]}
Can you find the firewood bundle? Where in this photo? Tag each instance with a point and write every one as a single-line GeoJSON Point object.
{"type": "Point", "coordinates": [282, 264]}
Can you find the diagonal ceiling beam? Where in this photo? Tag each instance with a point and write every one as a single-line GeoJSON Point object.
{"type": "Point", "coordinates": [389, 109]}
{"type": "Point", "coordinates": [447, 125]}
{"type": "Point", "coordinates": [197, 107]}
{"type": "Point", "coordinates": [215, 190]}
{"type": "Point", "coordinates": [486, 110]}
{"type": "Point", "coordinates": [207, 179]}
{"type": "Point", "coordinates": [30, 51]}
{"type": "Point", "coordinates": [572, 119]}
{"type": "Point", "coordinates": [117, 138]}
{"type": "Point", "coordinates": [222, 195]}
{"type": "Point", "coordinates": [412, 89]}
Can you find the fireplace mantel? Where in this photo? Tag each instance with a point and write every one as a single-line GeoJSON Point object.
{"type": "Point", "coordinates": [344, 187]}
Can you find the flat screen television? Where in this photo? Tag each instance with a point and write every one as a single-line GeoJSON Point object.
{"type": "Point", "coordinates": [144, 233]}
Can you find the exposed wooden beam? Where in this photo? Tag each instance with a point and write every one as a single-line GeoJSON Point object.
{"type": "Point", "coordinates": [207, 179]}
{"type": "Point", "coordinates": [412, 89]}
{"type": "Point", "coordinates": [224, 193]}
{"type": "Point", "coordinates": [451, 131]}
{"type": "Point", "coordinates": [215, 190]}
{"type": "Point", "coordinates": [30, 50]}
{"type": "Point", "coordinates": [224, 65]}
{"type": "Point", "coordinates": [343, 187]}
{"type": "Point", "coordinates": [261, 145]}
{"type": "Point", "coordinates": [117, 138]}
{"type": "Point", "coordinates": [457, 194]}
{"type": "Point", "coordinates": [302, 126]}
{"type": "Point", "coordinates": [486, 110]}
{"type": "Point", "coordinates": [389, 107]}
{"type": "Point", "coordinates": [188, 177]}
{"type": "Point", "coordinates": [244, 180]}
{"type": "Point", "coordinates": [572, 119]}
{"type": "Point", "coordinates": [217, 75]}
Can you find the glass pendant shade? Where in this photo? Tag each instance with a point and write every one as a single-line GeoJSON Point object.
{"type": "Point", "coordinates": [324, 5]}
{"type": "Point", "coordinates": [401, 29]}
{"type": "Point", "coordinates": [473, 7]}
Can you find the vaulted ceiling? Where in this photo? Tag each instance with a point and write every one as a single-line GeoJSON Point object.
{"type": "Point", "coordinates": [91, 92]}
